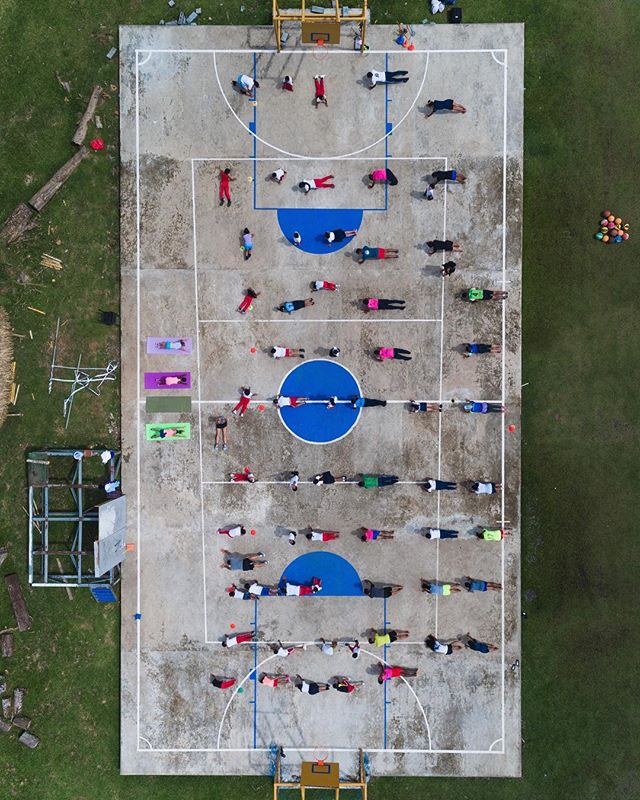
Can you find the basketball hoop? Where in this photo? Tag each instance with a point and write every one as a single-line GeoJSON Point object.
{"type": "Point", "coordinates": [320, 756]}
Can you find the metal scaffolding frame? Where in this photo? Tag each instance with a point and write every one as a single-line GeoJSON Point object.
{"type": "Point", "coordinates": [82, 514]}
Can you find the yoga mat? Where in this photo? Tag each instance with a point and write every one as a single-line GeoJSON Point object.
{"type": "Point", "coordinates": [151, 380]}
{"type": "Point", "coordinates": [153, 427]}
{"type": "Point", "coordinates": [157, 405]}
{"type": "Point", "coordinates": [152, 341]}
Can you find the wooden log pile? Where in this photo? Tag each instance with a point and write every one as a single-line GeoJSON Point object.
{"type": "Point", "coordinates": [24, 216]}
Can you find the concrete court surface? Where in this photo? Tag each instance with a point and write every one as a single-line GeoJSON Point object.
{"type": "Point", "coordinates": [183, 275]}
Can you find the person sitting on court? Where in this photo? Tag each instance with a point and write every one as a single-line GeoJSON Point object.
{"type": "Point", "coordinates": [434, 106]}
{"type": "Point", "coordinates": [246, 85]}
{"type": "Point", "coordinates": [382, 176]}
{"type": "Point", "coordinates": [278, 175]}
{"type": "Point", "coordinates": [287, 83]}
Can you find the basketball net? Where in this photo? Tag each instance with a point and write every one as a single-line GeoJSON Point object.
{"type": "Point", "coordinates": [320, 756]}
{"type": "Point", "coordinates": [320, 51]}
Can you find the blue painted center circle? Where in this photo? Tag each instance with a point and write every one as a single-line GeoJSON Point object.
{"type": "Point", "coordinates": [311, 224]}
{"type": "Point", "coordinates": [339, 577]}
{"type": "Point", "coordinates": [319, 379]}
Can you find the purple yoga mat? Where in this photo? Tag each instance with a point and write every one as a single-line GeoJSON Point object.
{"type": "Point", "coordinates": [151, 380]}
{"type": "Point", "coordinates": [153, 341]}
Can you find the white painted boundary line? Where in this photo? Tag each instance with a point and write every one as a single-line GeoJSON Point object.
{"type": "Point", "coordinates": [504, 374]}
{"type": "Point", "coordinates": [200, 432]}
{"type": "Point", "coordinates": [138, 421]}
{"type": "Point", "coordinates": [307, 319]}
{"type": "Point", "coordinates": [389, 402]}
{"type": "Point", "coordinates": [138, 415]}
{"type": "Point", "coordinates": [310, 51]}
{"type": "Point", "coordinates": [319, 158]}
{"type": "Point", "coordinates": [444, 236]}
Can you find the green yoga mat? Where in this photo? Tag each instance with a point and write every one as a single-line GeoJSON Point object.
{"type": "Point", "coordinates": [173, 405]}
{"type": "Point", "coordinates": [153, 429]}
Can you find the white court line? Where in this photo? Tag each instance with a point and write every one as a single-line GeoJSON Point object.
{"type": "Point", "coordinates": [138, 266]}
{"type": "Point", "coordinates": [444, 236]}
{"type": "Point", "coordinates": [388, 750]}
{"type": "Point", "coordinates": [335, 157]}
{"type": "Point", "coordinates": [200, 429]}
{"type": "Point", "coordinates": [307, 319]}
{"type": "Point", "coordinates": [310, 51]}
{"type": "Point", "coordinates": [303, 483]}
{"type": "Point", "coordinates": [504, 363]}
{"type": "Point", "coordinates": [317, 158]}
{"type": "Point", "coordinates": [138, 415]}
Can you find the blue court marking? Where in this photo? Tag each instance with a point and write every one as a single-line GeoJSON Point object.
{"type": "Point", "coordinates": [339, 578]}
{"type": "Point", "coordinates": [311, 224]}
{"type": "Point", "coordinates": [319, 379]}
{"type": "Point", "coordinates": [384, 686]}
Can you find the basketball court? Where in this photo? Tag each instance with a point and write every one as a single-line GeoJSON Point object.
{"type": "Point", "coordinates": [183, 277]}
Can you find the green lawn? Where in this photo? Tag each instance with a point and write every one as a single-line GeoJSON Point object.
{"type": "Point", "coordinates": [580, 425]}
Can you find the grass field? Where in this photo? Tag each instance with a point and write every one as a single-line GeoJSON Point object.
{"type": "Point", "coordinates": [580, 425]}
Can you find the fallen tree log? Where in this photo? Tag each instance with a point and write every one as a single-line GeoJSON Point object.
{"type": "Point", "coordinates": [18, 223]}
{"type": "Point", "coordinates": [17, 601]}
{"type": "Point", "coordinates": [42, 197]}
{"type": "Point", "coordinates": [85, 119]}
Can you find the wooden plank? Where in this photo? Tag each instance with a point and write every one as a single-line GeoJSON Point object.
{"type": "Point", "coordinates": [6, 645]}
{"type": "Point", "coordinates": [17, 601]}
{"type": "Point", "coordinates": [85, 119]}
{"type": "Point", "coordinates": [28, 740]}
{"type": "Point", "coordinates": [18, 697]}
{"type": "Point", "coordinates": [22, 722]}
{"type": "Point", "coordinates": [5, 727]}
{"type": "Point", "coordinates": [42, 197]}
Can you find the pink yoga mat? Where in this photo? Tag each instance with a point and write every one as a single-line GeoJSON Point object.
{"type": "Point", "coordinates": [153, 341]}
{"type": "Point", "coordinates": [151, 380]}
